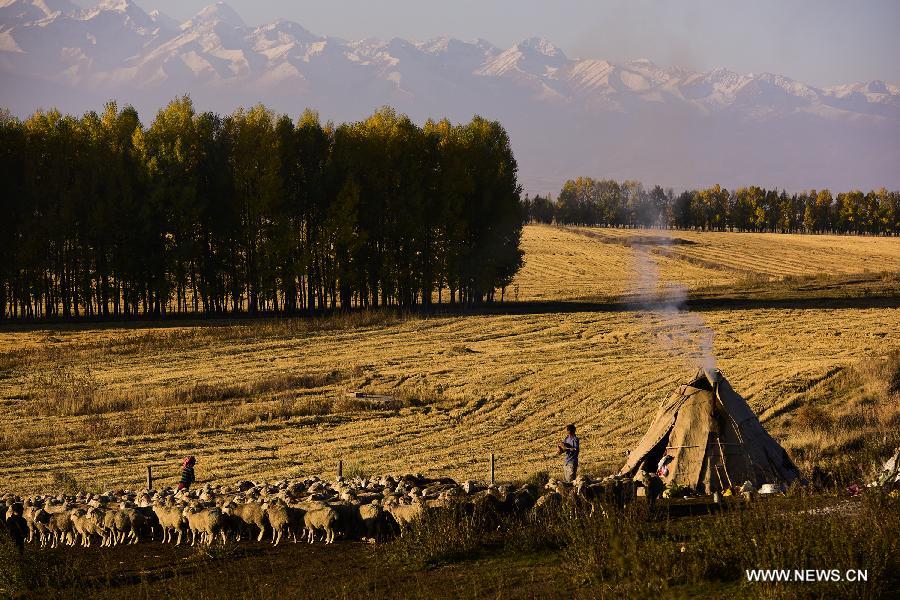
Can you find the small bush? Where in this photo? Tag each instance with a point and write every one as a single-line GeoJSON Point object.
{"type": "Point", "coordinates": [394, 399]}
{"type": "Point", "coordinates": [881, 375]}
{"type": "Point", "coordinates": [813, 418]}
{"type": "Point", "coordinates": [468, 532]}
{"type": "Point", "coordinates": [42, 573]}
{"type": "Point", "coordinates": [64, 482]}
{"type": "Point", "coordinates": [205, 392]}
{"type": "Point", "coordinates": [344, 404]}
{"type": "Point", "coordinates": [212, 392]}
{"type": "Point", "coordinates": [351, 470]}
{"type": "Point", "coordinates": [314, 407]}
{"type": "Point", "coordinates": [440, 536]}
{"type": "Point", "coordinates": [418, 395]}
{"type": "Point", "coordinates": [217, 551]}
{"type": "Point", "coordinates": [537, 534]}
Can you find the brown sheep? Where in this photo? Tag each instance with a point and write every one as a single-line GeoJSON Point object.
{"type": "Point", "coordinates": [110, 537]}
{"type": "Point", "coordinates": [40, 519]}
{"type": "Point", "coordinates": [546, 505]}
{"type": "Point", "coordinates": [98, 516]}
{"type": "Point", "coordinates": [36, 518]}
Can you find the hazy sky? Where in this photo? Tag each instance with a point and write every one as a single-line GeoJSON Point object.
{"type": "Point", "coordinates": [821, 42]}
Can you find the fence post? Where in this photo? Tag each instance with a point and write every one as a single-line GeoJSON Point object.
{"type": "Point", "coordinates": [492, 468]}
{"type": "Point", "coordinates": [340, 468]}
{"type": "Point", "coordinates": [149, 477]}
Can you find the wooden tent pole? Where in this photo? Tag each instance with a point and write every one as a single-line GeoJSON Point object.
{"type": "Point", "coordinates": [700, 446]}
{"type": "Point", "coordinates": [722, 459]}
{"type": "Point", "coordinates": [737, 432]}
{"type": "Point", "coordinates": [719, 476]}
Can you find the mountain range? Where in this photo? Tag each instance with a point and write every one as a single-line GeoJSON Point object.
{"type": "Point", "coordinates": [566, 117]}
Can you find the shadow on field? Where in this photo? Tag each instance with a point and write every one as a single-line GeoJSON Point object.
{"type": "Point", "coordinates": [867, 290]}
{"type": "Point", "coordinates": [701, 304]}
{"type": "Point", "coordinates": [251, 570]}
{"type": "Point", "coordinates": [387, 316]}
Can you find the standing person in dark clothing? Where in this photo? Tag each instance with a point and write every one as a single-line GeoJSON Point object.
{"type": "Point", "coordinates": [17, 526]}
{"type": "Point", "coordinates": [187, 473]}
{"type": "Point", "coordinates": [570, 447]}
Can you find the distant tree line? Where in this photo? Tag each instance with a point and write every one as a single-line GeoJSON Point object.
{"type": "Point", "coordinates": [250, 212]}
{"type": "Point", "coordinates": [586, 201]}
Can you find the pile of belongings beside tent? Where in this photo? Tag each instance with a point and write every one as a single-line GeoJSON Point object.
{"type": "Point", "coordinates": [652, 486]}
{"type": "Point", "coordinates": [888, 476]}
{"type": "Point", "coordinates": [707, 440]}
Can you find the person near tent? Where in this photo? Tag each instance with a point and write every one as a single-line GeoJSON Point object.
{"type": "Point", "coordinates": [570, 447]}
{"type": "Point", "coordinates": [187, 473]}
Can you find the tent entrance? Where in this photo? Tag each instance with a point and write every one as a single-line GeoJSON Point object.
{"type": "Point", "coordinates": [650, 464]}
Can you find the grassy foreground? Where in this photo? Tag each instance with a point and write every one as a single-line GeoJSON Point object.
{"type": "Point", "coordinates": [635, 552]}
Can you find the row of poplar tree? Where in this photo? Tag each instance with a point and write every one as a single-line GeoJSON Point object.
{"type": "Point", "coordinates": [587, 201]}
{"type": "Point", "coordinates": [251, 212]}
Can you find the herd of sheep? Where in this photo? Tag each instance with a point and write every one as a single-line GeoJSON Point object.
{"type": "Point", "coordinates": [302, 510]}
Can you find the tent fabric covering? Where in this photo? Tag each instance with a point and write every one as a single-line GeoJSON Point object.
{"type": "Point", "coordinates": [714, 438]}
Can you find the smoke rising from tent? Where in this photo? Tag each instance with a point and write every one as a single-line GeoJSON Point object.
{"type": "Point", "coordinates": [681, 332]}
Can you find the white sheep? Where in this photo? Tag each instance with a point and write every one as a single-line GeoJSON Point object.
{"type": "Point", "coordinates": [251, 515]}
{"type": "Point", "coordinates": [61, 529]}
{"type": "Point", "coordinates": [405, 514]}
{"type": "Point", "coordinates": [374, 521]}
{"type": "Point", "coordinates": [284, 519]}
{"type": "Point", "coordinates": [85, 526]}
{"type": "Point", "coordinates": [205, 524]}
{"type": "Point", "coordinates": [325, 519]}
{"type": "Point", "coordinates": [171, 520]}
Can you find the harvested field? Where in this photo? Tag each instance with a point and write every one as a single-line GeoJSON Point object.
{"type": "Point", "coordinates": [775, 254]}
{"type": "Point", "coordinates": [578, 262]}
{"type": "Point", "coordinates": [569, 263]}
{"type": "Point", "coordinates": [269, 398]}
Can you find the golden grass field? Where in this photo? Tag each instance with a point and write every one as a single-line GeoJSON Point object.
{"type": "Point", "coordinates": [269, 398]}
{"type": "Point", "coordinates": [598, 263]}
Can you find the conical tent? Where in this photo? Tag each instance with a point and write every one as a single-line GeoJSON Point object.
{"type": "Point", "coordinates": [705, 436]}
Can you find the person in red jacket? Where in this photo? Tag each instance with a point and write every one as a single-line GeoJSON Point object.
{"type": "Point", "coordinates": [187, 473]}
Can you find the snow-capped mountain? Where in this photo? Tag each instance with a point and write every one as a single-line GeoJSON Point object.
{"type": "Point", "coordinates": [566, 116]}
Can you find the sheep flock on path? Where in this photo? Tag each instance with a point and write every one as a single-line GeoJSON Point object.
{"type": "Point", "coordinates": [311, 509]}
